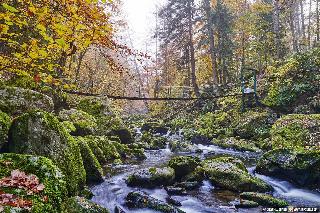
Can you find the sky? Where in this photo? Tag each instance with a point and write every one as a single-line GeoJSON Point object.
{"type": "Point", "coordinates": [140, 15]}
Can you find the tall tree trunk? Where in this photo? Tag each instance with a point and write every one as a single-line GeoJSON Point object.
{"type": "Point", "coordinates": [192, 51]}
{"type": "Point", "coordinates": [309, 24]}
{"type": "Point", "coordinates": [303, 26]}
{"type": "Point", "coordinates": [318, 21]}
{"type": "Point", "coordinates": [276, 28]}
{"type": "Point", "coordinates": [292, 28]}
{"type": "Point", "coordinates": [210, 32]}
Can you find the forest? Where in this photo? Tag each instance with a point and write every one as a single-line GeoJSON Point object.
{"type": "Point", "coordinates": [213, 108]}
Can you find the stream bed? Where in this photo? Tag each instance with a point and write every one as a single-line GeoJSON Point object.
{"type": "Point", "coordinates": [206, 199]}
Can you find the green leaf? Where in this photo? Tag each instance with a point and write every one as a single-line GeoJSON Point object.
{"type": "Point", "coordinates": [10, 8]}
{"type": "Point", "coordinates": [61, 42]}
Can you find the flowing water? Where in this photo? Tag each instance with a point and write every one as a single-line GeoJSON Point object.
{"type": "Point", "coordinates": [206, 199]}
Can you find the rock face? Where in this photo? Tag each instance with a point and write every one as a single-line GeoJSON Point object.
{"type": "Point", "coordinates": [84, 123]}
{"type": "Point", "coordinates": [82, 205]}
{"type": "Point", "coordinates": [15, 101]}
{"type": "Point", "coordinates": [141, 200]}
{"type": "Point", "coordinates": [41, 133]}
{"type": "Point", "coordinates": [230, 173]}
{"type": "Point", "coordinates": [263, 199]}
{"type": "Point", "coordinates": [5, 122]}
{"type": "Point", "coordinates": [94, 173]}
{"type": "Point", "coordinates": [49, 189]}
{"type": "Point", "coordinates": [297, 132]}
{"type": "Point", "coordinates": [151, 177]}
{"type": "Point", "coordinates": [299, 167]}
{"type": "Point", "coordinates": [183, 165]}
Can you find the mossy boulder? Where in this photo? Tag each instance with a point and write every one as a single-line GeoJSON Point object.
{"type": "Point", "coordinates": [154, 127]}
{"type": "Point", "coordinates": [94, 173]}
{"type": "Point", "coordinates": [5, 122]}
{"type": "Point", "coordinates": [299, 167]}
{"type": "Point", "coordinates": [237, 144]}
{"type": "Point", "coordinates": [254, 125]}
{"type": "Point", "coordinates": [123, 133]}
{"type": "Point", "coordinates": [49, 189]}
{"type": "Point", "coordinates": [15, 101]}
{"type": "Point", "coordinates": [82, 205]}
{"type": "Point", "coordinates": [264, 199]}
{"type": "Point", "coordinates": [142, 200]}
{"type": "Point", "coordinates": [180, 146]}
{"type": "Point", "coordinates": [84, 123]}
{"type": "Point", "coordinates": [152, 141]}
{"type": "Point", "coordinates": [294, 82]}
{"type": "Point", "coordinates": [94, 106]}
{"type": "Point", "coordinates": [183, 165]}
{"type": "Point", "coordinates": [151, 177]}
{"type": "Point", "coordinates": [297, 131]}
{"type": "Point", "coordinates": [41, 133]}
{"type": "Point", "coordinates": [230, 173]}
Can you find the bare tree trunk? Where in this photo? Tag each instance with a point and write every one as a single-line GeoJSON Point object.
{"type": "Point", "coordinates": [80, 59]}
{"type": "Point", "coordinates": [318, 21]}
{"type": "Point", "coordinates": [276, 27]}
{"type": "Point", "coordinates": [303, 26]}
{"type": "Point", "coordinates": [292, 28]}
{"type": "Point", "coordinates": [192, 51]}
{"type": "Point", "coordinates": [309, 24]}
{"type": "Point", "coordinates": [211, 41]}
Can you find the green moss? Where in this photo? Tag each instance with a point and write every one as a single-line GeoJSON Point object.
{"type": "Point", "coordinates": [96, 151]}
{"type": "Point", "coordinates": [83, 123]}
{"type": "Point", "coordinates": [230, 173]}
{"type": "Point", "coordinates": [296, 132]}
{"type": "Point", "coordinates": [15, 101]}
{"type": "Point", "coordinates": [40, 133]}
{"type": "Point", "coordinates": [5, 122]}
{"type": "Point", "coordinates": [295, 81]}
{"type": "Point", "coordinates": [237, 144]}
{"type": "Point", "coordinates": [183, 165]}
{"type": "Point", "coordinates": [299, 167]}
{"type": "Point", "coordinates": [48, 174]}
{"type": "Point", "coordinates": [153, 141]}
{"type": "Point", "coordinates": [82, 205]}
{"type": "Point", "coordinates": [92, 166]}
{"type": "Point", "coordinates": [264, 199]}
{"type": "Point", "coordinates": [93, 106]}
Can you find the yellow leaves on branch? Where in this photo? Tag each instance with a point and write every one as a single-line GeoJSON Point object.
{"type": "Point", "coordinates": [36, 35]}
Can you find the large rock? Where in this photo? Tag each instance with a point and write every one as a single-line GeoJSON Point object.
{"type": "Point", "coordinates": [151, 177]}
{"type": "Point", "coordinates": [141, 200]}
{"type": "Point", "coordinates": [297, 132]}
{"type": "Point", "coordinates": [299, 167]}
{"type": "Point", "coordinates": [237, 144]}
{"type": "Point", "coordinates": [84, 123]}
{"type": "Point", "coordinates": [151, 141]}
{"type": "Point", "coordinates": [183, 165]}
{"type": "Point", "coordinates": [15, 101]}
{"type": "Point", "coordinates": [255, 125]}
{"type": "Point", "coordinates": [230, 173]}
{"type": "Point", "coordinates": [5, 122]}
{"type": "Point", "coordinates": [154, 127]}
{"type": "Point", "coordinates": [264, 199]}
{"type": "Point", "coordinates": [82, 205]}
{"type": "Point", "coordinates": [36, 176]}
{"type": "Point", "coordinates": [91, 164]}
{"type": "Point", "coordinates": [41, 133]}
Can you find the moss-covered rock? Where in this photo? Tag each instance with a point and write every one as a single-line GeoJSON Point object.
{"type": "Point", "coordinates": [5, 122]}
{"type": "Point", "coordinates": [15, 101]}
{"type": "Point", "coordinates": [154, 127]}
{"type": "Point", "coordinates": [94, 106]}
{"type": "Point", "coordinates": [82, 205]}
{"type": "Point", "coordinates": [94, 173]}
{"type": "Point", "coordinates": [50, 197]}
{"type": "Point", "coordinates": [180, 146]}
{"type": "Point", "coordinates": [84, 123]}
{"type": "Point", "coordinates": [237, 144]}
{"type": "Point", "coordinates": [123, 133]}
{"type": "Point", "coordinates": [41, 133]}
{"type": "Point", "coordinates": [294, 82]}
{"type": "Point", "coordinates": [183, 165]}
{"type": "Point", "coordinates": [153, 141]}
{"type": "Point", "coordinates": [254, 125]}
{"type": "Point", "coordinates": [246, 204]}
{"type": "Point", "coordinates": [96, 150]}
{"type": "Point", "coordinates": [297, 132]}
{"type": "Point", "coordinates": [230, 173]}
{"type": "Point", "coordinates": [151, 177]}
{"type": "Point", "coordinates": [264, 199]}
{"type": "Point", "coordinates": [299, 167]}
{"type": "Point", "coordinates": [141, 200]}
